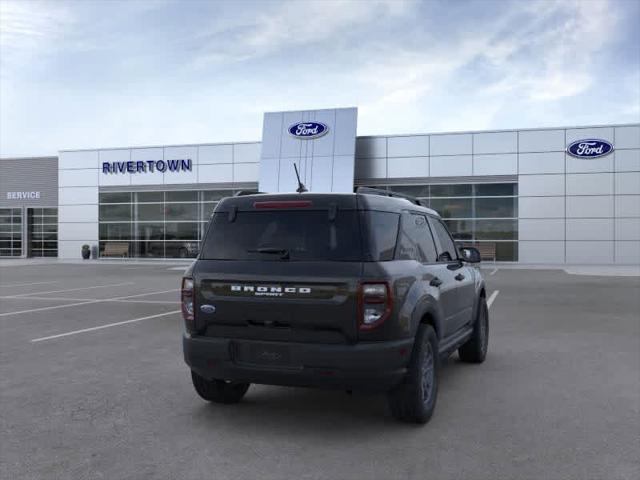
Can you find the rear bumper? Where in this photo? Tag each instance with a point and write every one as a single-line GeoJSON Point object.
{"type": "Point", "coordinates": [374, 366]}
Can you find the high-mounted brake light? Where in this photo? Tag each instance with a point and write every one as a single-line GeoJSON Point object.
{"type": "Point", "coordinates": [186, 302]}
{"type": "Point", "coordinates": [374, 304]}
{"type": "Point", "coordinates": [283, 204]}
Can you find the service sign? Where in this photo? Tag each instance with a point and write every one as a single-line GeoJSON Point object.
{"type": "Point", "coordinates": [308, 130]}
{"type": "Point", "coordinates": [589, 148]}
{"type": "Point", "coordinates": [23, 195]}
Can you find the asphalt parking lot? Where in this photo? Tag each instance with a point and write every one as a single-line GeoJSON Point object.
{"type": "Point", "coordinates": [93, 385]}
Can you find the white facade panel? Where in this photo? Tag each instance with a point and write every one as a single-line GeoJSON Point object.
{"type": "Point", "coordinates": [77, 231]}
{"type": "Point", "coordinates": [540, 252]}
{"type": "Point", "coordinates": [541, 207]}
{"type": "Point", "coordinates": [495, 142]}
{"type": "Point", "coordinates": [410, 146]}
{"type": "Point", "coordinates": [402, 167]}
{"type": "Point", "coordinates": [77, 178]}
{"type": "Point", "coordinates": [545, 162]}
{"type": "Point", "coordinates": [77, 213]}
{"type": "Point", "coordinates": [541, 229]}
{"type": "Point", "coordinates": [215, 154]}
{"type": "Point", "coordinates": [628, 137]}
{"type": "Point", "coordinates": [628, 253]}
{"type": "Point", "coordinates": [79, 159]}
{"type": "Point", "coordinates": [371, 168]}
{"type": "Point", "coordinates": [589, 252]}
{"type": "Point", "coordinates": [246, 153]}
{"type": "Point", "coordinates": [451, 166]}
{"type": "Point", "coordinates": [77, 195]}
{"type": "Point", "coordinates": [589, 229]}
{"type": "Point", "coordinates": [321, 177]}
{"type": "Point", "coordinates": [180, 176]}
{"type": "Point", "coordinates": [501, 164]}
{"type": "Point", "coordinates": [541, 185]}
{"type": "Point", "coordinates": [341, 170]}
{"type": "Point", "coordinates": [345, 139]}
{"type": "Point", "coordinates": [115, 178]}
{"type": "Point", "coordinates": [246, 172]}
{"type": "Point", "coordinates": [541, 141]}
{"type": "Point", "coordinates": [452, 144]}
{"type": "Point", "coordinates": [588, 165]}
{"type": "Point", "coordinates": [627, 160]}
{"type": "Point", "coordinates": [322, 146]}
{"type": "Point", "coordinates": [215, 173]}
{"type": "Point", "coordinates": [371, 147]}
{"type": "Point", "coordinates": [148, 177]}
{"type": "Point", "coordinates": [290, 146]}
{"type": "Point", "coordinates": [627, 228]}
{"type": "Point", "coordinates": [628, 183]}
{"type": "Point", "coordinates": [590, 206]}
{"type": "Point", "coordinates": [271, 135]}
{"type": "Point", "coordinates": [590, 184]}
{"type": "Point", "coordinates": [601, 133]}
{"type": "Point", "coordinates": [627, 205]}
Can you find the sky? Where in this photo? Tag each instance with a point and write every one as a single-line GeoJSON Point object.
{"type": "Point", "coordinates": [85, 74]}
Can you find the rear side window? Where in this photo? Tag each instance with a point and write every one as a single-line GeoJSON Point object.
{"type": "Point", "coordinates": [447, 250]}
{"type": "Point", "coordinates": [284, 235]}
{"type": "Point", "coordinates": [380, 234]}
{"type": "Point", "coordinates": [415, 241]}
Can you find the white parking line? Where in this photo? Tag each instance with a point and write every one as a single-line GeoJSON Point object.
{"type": "Point", "coordinates": [87, 302]}
{"type": "Point", "coordinates": [75, 289]}
{"type": "Point", "coordinates": [25, 284]}
{"type": "Point", "coordinates": [492, 297]}
{"type": "Point", "coordinates": [493, 271]}
{"type": "Point", "coordinates": [67, 299]}
{"type": "Point", "coordinates": [84, 330]}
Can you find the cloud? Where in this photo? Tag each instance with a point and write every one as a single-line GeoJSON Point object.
{"type": "Point", "coordinates": [287, 25]}
{"type": "Point", "coordinates": [28, 27]}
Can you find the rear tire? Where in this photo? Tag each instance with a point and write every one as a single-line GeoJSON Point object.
{"type": "Point", "coordinates": [475, 350]}
{"type": "Point", "coordinates": [415, 399]}
{"type": "Point", "coordinates": [218, 391]}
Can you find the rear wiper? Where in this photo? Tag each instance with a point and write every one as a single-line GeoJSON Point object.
{"type": "Point", "coordinates": [284, 253]}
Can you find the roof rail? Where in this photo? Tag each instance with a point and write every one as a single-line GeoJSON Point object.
{"type": "Point", "coordinates": [242, 193]}
{"type": "Point", "coordinates": [389, 193]}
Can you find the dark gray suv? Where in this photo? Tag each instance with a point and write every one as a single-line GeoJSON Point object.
{"type": "Point", "coordinates": [362, 291]}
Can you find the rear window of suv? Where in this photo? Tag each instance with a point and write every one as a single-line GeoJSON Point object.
{"type": "Point", "coordinates": [303, 235]}
{"type": "Point", "coordinates": [294, 235]}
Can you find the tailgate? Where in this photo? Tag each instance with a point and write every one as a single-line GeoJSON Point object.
{"type": "Point", "coordinates": [280, 301]}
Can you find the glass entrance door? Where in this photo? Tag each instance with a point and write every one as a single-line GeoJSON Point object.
{"type": "Point", "coordinates": [42, 232]}
{"type": "Point", "coordinates": [10, 232]}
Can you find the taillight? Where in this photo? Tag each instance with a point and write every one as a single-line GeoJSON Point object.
{"type": "Point", "coordinates": [375, 304]}
{"type": "Point", "coordinates": [186, 300]}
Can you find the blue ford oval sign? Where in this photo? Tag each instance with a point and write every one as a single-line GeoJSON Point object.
{"type": "Point", "coordinates": [308, 130]}
{"type": "Point", "coordinates": [590, 148]}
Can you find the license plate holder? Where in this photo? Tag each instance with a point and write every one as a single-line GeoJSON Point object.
{"type": "Point", "coordinates": [263, 355]}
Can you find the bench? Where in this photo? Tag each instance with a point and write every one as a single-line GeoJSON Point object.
{"type": "Point", "coordinates": [487, 250]}
{"type": "Point", "coordinates": [116, 250]}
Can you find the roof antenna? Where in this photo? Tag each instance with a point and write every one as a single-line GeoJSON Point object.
{"type": "Point", "coordinates": [301, 188]}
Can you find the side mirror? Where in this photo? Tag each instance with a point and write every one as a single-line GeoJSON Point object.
{"type": "Point", "coordinates": [470, 255]}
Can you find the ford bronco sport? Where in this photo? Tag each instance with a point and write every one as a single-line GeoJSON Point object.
{"type": "Point", "coordinates": [352, 291]}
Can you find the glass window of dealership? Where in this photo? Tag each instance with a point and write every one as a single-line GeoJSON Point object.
{"type": "Point", "coordinates": [518, 193]}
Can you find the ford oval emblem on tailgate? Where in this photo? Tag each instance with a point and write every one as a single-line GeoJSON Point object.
{"type": "Point", "coordinates": [207, 309]}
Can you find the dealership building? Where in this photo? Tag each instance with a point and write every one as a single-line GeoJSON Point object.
{"type": "Point", "coordinates": [544, 195]}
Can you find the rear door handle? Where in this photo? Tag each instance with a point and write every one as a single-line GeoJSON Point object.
{"type": "Point", "coordinates": [435, 282]}
{"type": "Point", "coordinates": [459, 277]}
